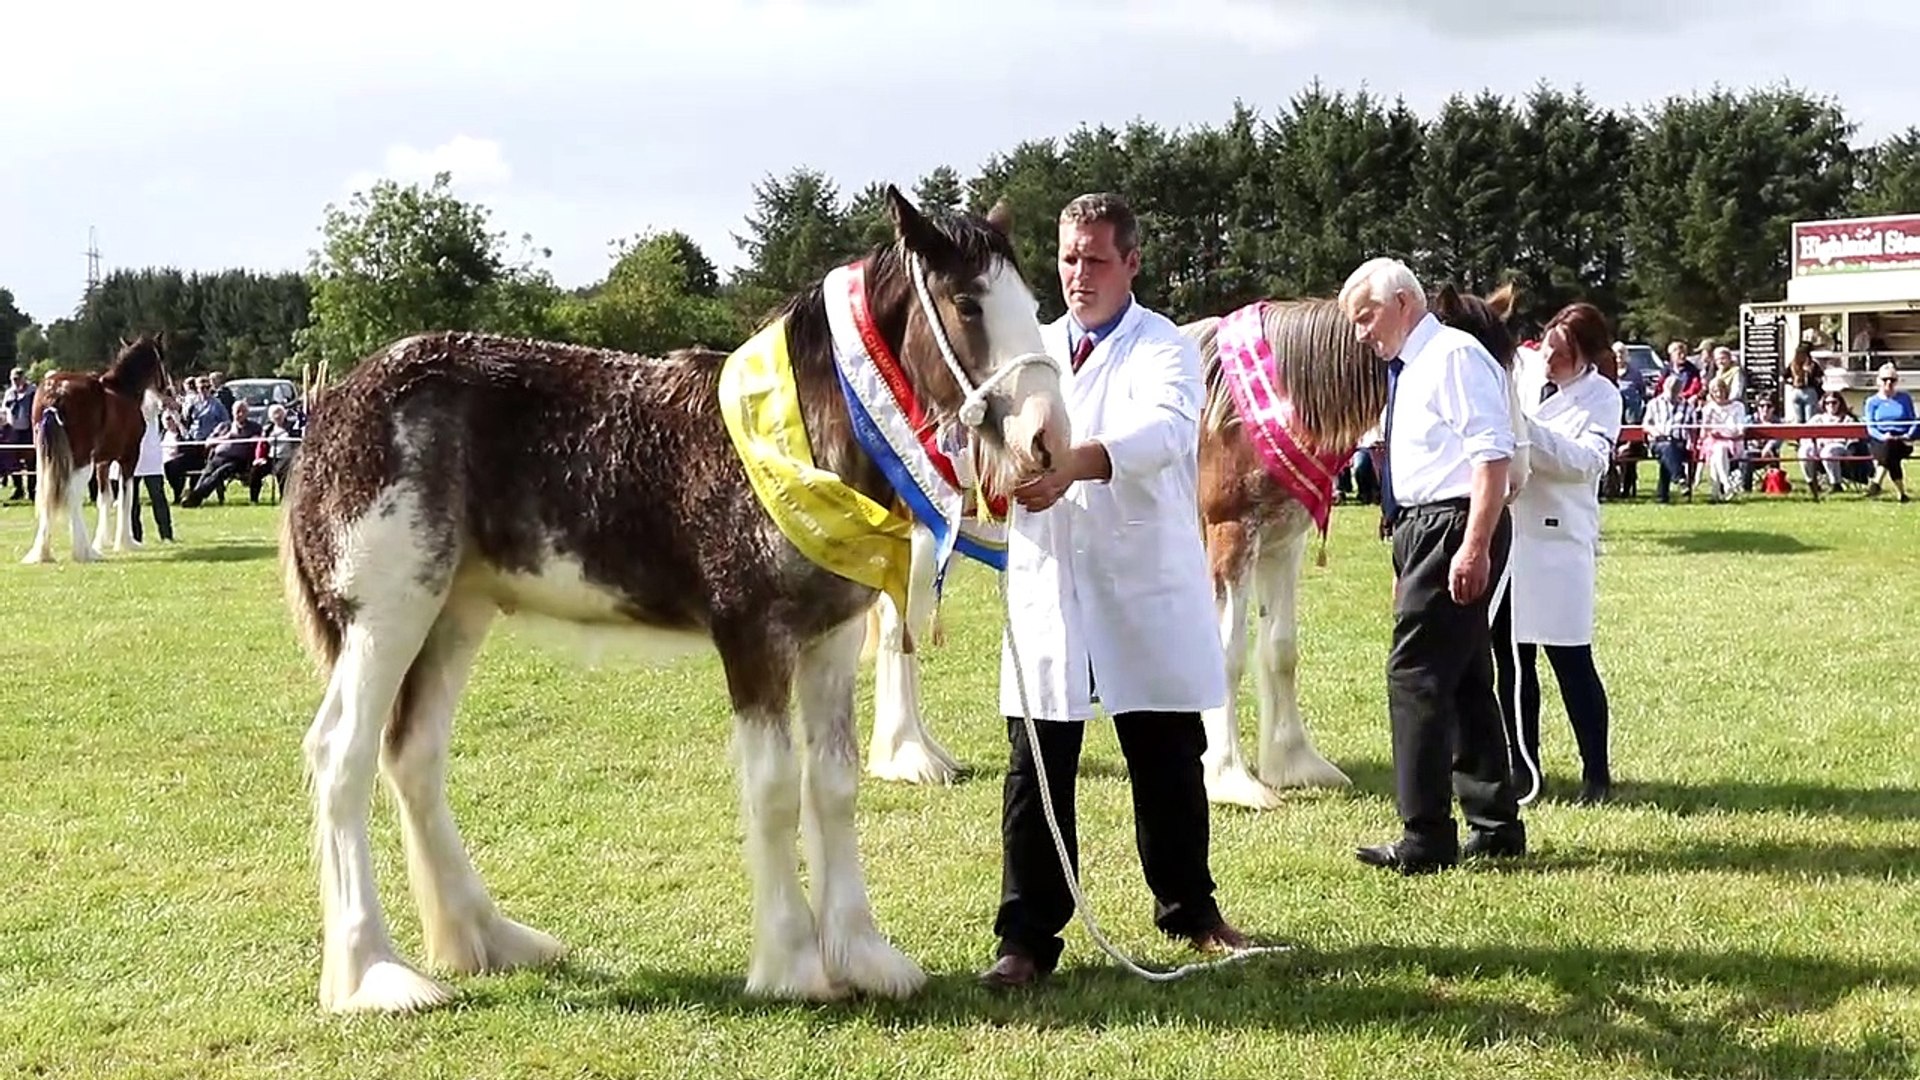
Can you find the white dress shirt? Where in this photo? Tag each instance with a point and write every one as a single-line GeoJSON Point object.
{"type": "Point", "coordinates": [1451, 409]}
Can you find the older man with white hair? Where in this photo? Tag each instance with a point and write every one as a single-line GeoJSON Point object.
{"type": "Point", "coordinates": [1450, 438]}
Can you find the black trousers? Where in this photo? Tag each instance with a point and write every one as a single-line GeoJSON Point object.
{"type": "Point", "coordinates": [1440, 686]}
{"type": "Point", "coordinates": [156, 486]}
{"type": "Point", "coordinates": [1169, 827]}
{"type": "Point", "coordinates": [1581, 691]}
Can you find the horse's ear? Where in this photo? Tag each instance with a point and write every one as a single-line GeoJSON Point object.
{"type": "Point", "coordinates": [1001, 217]}
{"type": "Point", "coordinates": [1503, 301]}
{"type": "Point", "coordinates": [124, 343]}
{"type": "Point", "coordinates": [912, 228]}
{"type": "Point", "coordinates": [1446, 302]}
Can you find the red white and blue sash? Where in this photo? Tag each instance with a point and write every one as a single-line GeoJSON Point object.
{"type": "Point", "coordinates": [892, 427]}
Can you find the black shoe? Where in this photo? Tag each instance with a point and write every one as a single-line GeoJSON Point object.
{"type": "Point", "coordinates": [1595, 792]}
{"type": "Point", "coordinates": [1403, 857]}
{"type": "Point", "coordinates": [1507, 843]}
{"type": "Point", "coordinates": [1012, 971]}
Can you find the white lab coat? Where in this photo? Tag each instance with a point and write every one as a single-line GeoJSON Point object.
{"type": "Point", "coordinates": [1556, 517]}
{"type": "Point", "coordinates": [151, 462]}
{"type": "Point", "coordinates": [1114, 575]}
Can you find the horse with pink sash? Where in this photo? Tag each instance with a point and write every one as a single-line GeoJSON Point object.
{"type": "Point", "coordinates": [1290, 393]}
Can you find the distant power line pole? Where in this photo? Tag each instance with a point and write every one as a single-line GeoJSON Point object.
{"type": "Point", "coordinates": [93, 260]}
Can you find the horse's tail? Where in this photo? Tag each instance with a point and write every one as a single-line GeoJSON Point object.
{"type": "Point", "coordinates": [55, 453]}
{"type": "Point", "coordinates": [317, 632]}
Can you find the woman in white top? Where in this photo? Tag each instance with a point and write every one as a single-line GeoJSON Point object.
{"type": "Point", "coordinates": [1572, 423]}
{"type": "Point", "coordinates": [1723, 440]}
{"type": "Point", "coordinates": [150, 472]}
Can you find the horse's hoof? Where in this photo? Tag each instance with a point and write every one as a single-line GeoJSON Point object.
{"type": "Point", "coordinates": [1303, 769]}
{"type": "Point", "coordinates": [799, 978]}
{"type": "Point", "coordinates": [870, 964]}
{"type": "Point", "coordinates": [35, 558]}
{"type": "Point", "coordinates": [504, 945]}
{"type": "Point", "coordinates": [912, 763]}
{"type": "Point", "coordinates": [390, 986]}
{"type": "Point", "coordinates": [1236, 787]}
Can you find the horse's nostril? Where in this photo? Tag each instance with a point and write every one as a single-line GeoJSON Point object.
{"type": "Point", "coordinates": [1040, 453]}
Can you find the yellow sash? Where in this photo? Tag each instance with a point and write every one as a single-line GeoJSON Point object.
{"type": "Point", "coordinates": [833, 525]}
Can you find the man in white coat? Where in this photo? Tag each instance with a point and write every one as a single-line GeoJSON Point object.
{"type": "Point", "coordinates": [1111, 603]}
{"type": "Point", "coordinates": [1573, 421]}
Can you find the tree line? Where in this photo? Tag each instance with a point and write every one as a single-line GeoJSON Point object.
{"type": "Point", "coordinates": [1668, 217]}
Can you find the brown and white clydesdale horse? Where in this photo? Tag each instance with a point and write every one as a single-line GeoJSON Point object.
{"type": "Point", "coordinates": [1257, 535]}
{"type": "Point", "coordinates": [84, 423]}
{"type": "Point", "coordinates": [449, 478]}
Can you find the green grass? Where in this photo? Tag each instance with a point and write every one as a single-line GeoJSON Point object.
{"type": "Point", "coordinates": [1748, 909]}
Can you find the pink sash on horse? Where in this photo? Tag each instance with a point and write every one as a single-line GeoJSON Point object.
{"type": "Point", "coordinates": [1252, 376]}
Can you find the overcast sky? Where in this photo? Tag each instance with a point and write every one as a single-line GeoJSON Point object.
{"type": "Point", "coordinates": [212, 133]}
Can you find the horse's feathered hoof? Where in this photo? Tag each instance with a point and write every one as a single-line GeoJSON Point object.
{"type": "Point", "coordinates": [1237, 787]}
{"type": "Point", "coordinates": [392, 987]}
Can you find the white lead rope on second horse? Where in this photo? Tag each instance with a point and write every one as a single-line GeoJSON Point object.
{"type": "Point", "coordinates": [973, 413]}
{"type": "Point", "coordinates": [1513, 699]}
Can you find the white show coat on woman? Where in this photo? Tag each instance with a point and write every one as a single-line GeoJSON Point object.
{"type": "Point", "coordinates": [1113, 576]}
{"type": "Point", "coordinates": [1556, 516]}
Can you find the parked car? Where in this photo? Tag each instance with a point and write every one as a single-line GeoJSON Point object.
{"type": "Point", "coordinates": [1644, 364]}
{"type": "Point", "coordinates": [260, 393]}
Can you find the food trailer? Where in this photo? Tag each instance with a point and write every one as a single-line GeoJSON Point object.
{"type": "Point", "coordinates": [1854, 294]}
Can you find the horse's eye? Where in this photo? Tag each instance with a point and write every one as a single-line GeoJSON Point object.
{"type": "Point", "coordinates": [967, 306]}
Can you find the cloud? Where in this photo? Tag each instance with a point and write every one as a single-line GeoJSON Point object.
{"type": "Point", "coordinates": [474, 163]}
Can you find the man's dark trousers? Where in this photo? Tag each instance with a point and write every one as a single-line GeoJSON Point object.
{"type": "Point", "coordinates": [1169, 827]}
{"type": "Point", "coordinates": [1440, 686]}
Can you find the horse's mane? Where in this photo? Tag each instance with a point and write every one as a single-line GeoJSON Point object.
{"type": "Point", "coordinates": [1337, 388]}
{"type": "Point", "coordinates": [976, 245]}
{"type": "Point", "coordinates": [135, 366]}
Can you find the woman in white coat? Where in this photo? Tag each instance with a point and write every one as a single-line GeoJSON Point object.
{"type": "Point", "coordinates": [1573, 423]}
{"type": "Point", "coordinates": [1110, 602]}
{"type": "Point", "coordinates": [150, 471]}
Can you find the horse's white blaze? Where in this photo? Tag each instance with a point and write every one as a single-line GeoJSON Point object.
{"type": "Point", "coordinates": [786, 958]}
{"type": "Point", "coordinates": [1287, 757]}
{"type": "Point", "coordinates": [463, 930]}
{"type": "Point", "coordinates": [1034, 401]}
{"type": "Point", "coordinates": [854, 951]}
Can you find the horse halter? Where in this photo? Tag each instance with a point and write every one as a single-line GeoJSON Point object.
{"type": "Point", "coordinates": [973, 410]}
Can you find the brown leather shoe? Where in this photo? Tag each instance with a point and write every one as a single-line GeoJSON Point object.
{"type": "Point", "coordinates": [1012, 972]}
{"type": "Point", "coordinates": [1221, 939]}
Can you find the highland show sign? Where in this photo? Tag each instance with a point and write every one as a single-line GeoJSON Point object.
{"type": "Point", "coordinates": [1856, 244]}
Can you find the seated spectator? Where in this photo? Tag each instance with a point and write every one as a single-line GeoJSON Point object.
{"type": "Point", "coordinates": [1823, 455]}
{"type": "Point", "coordinates": [1890, 431]}
{"type": "Point", "coordinates": [1768, 449]}
{"type": "Point", "coordinates": [1723, 425]}
{"type": "Point", "coordinates": [231, 454]}
{"type": "Point", "coordinates": [277, 449]}
{"type": "Point", "coordinates": [1669, 426]}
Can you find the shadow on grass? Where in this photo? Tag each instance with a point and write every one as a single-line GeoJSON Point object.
{"type": "Point", "coordinates": [1683, 1013]}
{"type": "Point", "coordinates": [1717, 796]}
{"type": "Point", "coordinates": [1737, 542]}
{"type": "Point", "coordinates": [1880, 862]}
{"type": "Point", "coordinates": [222, 552]}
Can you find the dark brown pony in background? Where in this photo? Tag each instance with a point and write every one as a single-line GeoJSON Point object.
{"type": "Point", "coordinates": [1256, 537]}
{"type": "Point", "coordinates": [86, 421]}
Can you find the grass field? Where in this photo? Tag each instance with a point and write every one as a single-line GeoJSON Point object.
{"type": "Point", "coordinates": [1749, 907]}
